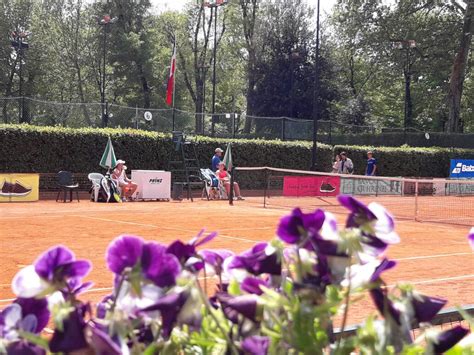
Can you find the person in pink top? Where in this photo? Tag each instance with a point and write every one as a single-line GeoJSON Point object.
{"type": "Point", "coordinates": [224, 178]}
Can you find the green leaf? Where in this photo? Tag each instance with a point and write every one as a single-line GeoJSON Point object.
{"type": "Point", "coordinates": [34, 339]}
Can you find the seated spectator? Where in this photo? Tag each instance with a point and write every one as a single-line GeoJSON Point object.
{"type": "Point", "coordinates": [127, 186]}
{"type": "Point", "coordinates": [224, 178]}
{"type": "Point", "coordinates": [216, 159]}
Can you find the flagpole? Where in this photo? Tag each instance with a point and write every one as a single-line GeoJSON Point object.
{"type": "Point", "coordinates": [174, 77]}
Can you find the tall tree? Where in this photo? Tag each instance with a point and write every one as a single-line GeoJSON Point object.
{"type": "Point", "coordinates": [458, 72]}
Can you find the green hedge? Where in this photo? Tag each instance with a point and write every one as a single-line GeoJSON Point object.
{"type": "Point", "coordinates": [50, 149]}
{"type": "Point", "coordinates": [424, 162]}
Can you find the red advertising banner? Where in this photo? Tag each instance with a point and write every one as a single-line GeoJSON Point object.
{"type": "Point", "coordinates": [301, 186]}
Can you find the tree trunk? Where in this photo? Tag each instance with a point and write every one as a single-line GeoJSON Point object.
{"type": "Point", "coordinates": [145, 87]}
{"type": "Point", "coordinates": [8, 92]}
{"type": "Point", "coordinates": [80, 88]}
{"type": "Point", "coordinates": [458, 72]}
{"type": "Point", "coordinates": [250, 96]}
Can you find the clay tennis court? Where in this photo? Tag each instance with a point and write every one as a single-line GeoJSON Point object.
{"type": "Point", "coordinates": [435, 257]}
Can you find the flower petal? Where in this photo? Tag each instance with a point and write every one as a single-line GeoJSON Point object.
{"type": "Point", "coordinates": [470, 238]}
{"type": "Point", "coordinates": [256, 345]}
{"type": "Point", "coordinates": [246, 305]}
{"type": "Point", "coordinates": [49, 261]}
{"type": "Point", "coordinates": [36, 307]}
{"type": "Point", "coordinates": [74, 269]}
{"type": "Point", "coordinates": [291, 226]}
{"type": "Point", "coordinates": [200, 241]}
{"type": "Point", "coordinates": [252, 285]}
{"type": "Point", "coordinates": [100, 341]}
{"type": "Point", "coordinates": [447, 339]}
{"type": "Point", "coordinates": [181, 251]}
{"type": "Point", "coordinates": [71, 338]}
{"type": "Point", "coordinates": [27, 283]}
{"type": "Point", "coordinates": [356, 207]}
{"type": "Point", "coordinates": [24, 348]}
{"type": "Point", "coordinates": [123, 252]}
{"type": "Point", "coordinates": [426, 308]}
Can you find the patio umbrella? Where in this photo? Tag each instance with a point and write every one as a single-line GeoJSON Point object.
{"type": "Point", "coordinates": [108, 160]}
{"type": "Point", "coordinates": [228, 157]}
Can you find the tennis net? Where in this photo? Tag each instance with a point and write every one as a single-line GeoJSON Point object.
{"type": "Point", "coordinates": [429, 200]}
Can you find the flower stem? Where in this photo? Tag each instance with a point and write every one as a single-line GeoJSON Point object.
{"type": "Point", "coordinates": [346, 310]}
{"type": "Point", "coordinates": [205, 300]}
{"type": "Point", "coordinates": [122, 279]}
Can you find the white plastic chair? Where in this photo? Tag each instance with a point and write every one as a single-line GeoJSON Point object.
{"type": "Point", "coordinates": [96, 179]}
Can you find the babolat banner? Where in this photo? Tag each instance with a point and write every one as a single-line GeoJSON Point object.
{"type": "Point", "coordinates": [461, 169]}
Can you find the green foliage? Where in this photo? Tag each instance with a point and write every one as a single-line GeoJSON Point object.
{"type": "Point", "coordinates": [406, 161]}
{"type": "Point", "coordinates": [50, 149]}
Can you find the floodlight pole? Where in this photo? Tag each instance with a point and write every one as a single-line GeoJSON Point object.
{"type": "Point", "coordinates": [104, 22]}
{"type": "Point", "coordinates": [17, 41]}
{"type": "Point", "coordinates": [214, 73]}
{"type": "Point", "coordinates": [316, 100]}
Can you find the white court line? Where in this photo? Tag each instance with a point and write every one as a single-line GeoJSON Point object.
{"type": "Point", "coordinates": [168, 228]}
{"type": "Point", "coordinates": [431, 256]}
{"type": "Point", "coordinates": [434, 281]}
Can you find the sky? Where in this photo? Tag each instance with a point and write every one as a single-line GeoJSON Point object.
{"type": "Point", "coordinates": [163, 5]}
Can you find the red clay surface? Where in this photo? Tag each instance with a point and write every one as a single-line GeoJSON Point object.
{"type": "Point", "coordinates": [435, 258]}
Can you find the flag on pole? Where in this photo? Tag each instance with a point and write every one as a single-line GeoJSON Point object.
{"type": "Point", "coordinates": [108, 160]}
{"type": "Point", "coordinates": [228, 157]}
{"type": "Point", "coordinates": [170, 88]}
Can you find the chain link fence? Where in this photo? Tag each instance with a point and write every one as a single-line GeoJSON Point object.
{"type": "Point", "coordinates": [225, 125]}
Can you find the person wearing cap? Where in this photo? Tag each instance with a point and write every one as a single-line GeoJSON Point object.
{"type": "Point", "coordinates": [216, 159]}
{"type": "Point", "coordinates": [224, 179]}
{"type": "Point", "coordinates": [371, 164]}
{"type": "Point", "coordinates": [127, 186]}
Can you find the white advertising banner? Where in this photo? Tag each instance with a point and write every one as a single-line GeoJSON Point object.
{"type": "Point", "coordinates": [153, 184]}
{"type": "Point", "coordinates": [354, 186]}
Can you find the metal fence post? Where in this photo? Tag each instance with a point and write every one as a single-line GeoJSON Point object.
{"type": "Point", "coordinates": [283, 124]}
{"type": "Point", "coordinates": [416, 201]}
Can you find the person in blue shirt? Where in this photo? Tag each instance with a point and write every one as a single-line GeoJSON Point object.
{"type": "Point", "coordinates": [216, 159]}
{"type": "Point", "coordinates": [371, 164]}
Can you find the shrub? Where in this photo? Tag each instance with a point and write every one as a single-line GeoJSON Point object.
{"type": "Point", "coordinates": [406, 161]}
{"type": "Point", "coordinates": [50, 149]}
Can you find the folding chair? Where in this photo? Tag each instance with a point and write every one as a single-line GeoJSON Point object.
{"type": "Point", "coordinates": [95, 179]}
{"type": "Point", "coordinates": [213, 189]}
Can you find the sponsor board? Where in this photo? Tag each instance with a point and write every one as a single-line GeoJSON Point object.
{"type": "Point", "coordinates": [354, 186]}
{"type": "Point", "coordinates": [461, 169]}
{"type": "Point", "coordinates": [302, 186]}
{"type": "Point", "coordinates": [19, 187]}
{"type": "Point", "coordinates": [460, 189]}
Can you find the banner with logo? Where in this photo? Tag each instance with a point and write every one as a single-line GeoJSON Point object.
{"type": "Point", "coordinates": [354, 186]}
{"type": "Point", "coordinates": [461, 169]}
{"type": "Point", "coordinates": [19, 187]}
{"type": "Point", "coordinates": [302, 186]}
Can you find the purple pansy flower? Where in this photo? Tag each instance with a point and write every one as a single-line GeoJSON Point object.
{"type": "Point", "coordinates": [360, 213]}
{"type": "Point", "coordinates": [71, 336]}
{"type": "Point", "coordinates": [186, 252]}
{"type": "Point", "coordinates": [56, 269]}
{"type": "Point", "coordinates": [214, 259]}
{"type": "Point", "coordinates": [470, 238]}
{"type": "Point", "coordinates": [363, 274]}
{"type": "Point", "coordinates": [159, 266]}
{"type": "Point", "coordinates": [256, 345]}
{"type": "Point", "coordinates": [426, 308]}
{"type": "Point", "coordinates": [298, 225]}
{"type": "Point", "coordinates": [24, 314]}
{"type": "Point", "coordinates": [99, 340]}
{"type": "Point", "coordinates": [246, 305]}
{"type": "Point", "coordinates": [22, 347]}
{"type": "Point", "coordinates": [252, 285]}
{"type": "Point", "coordinates": [448, 338]}
{"type": "Point", "coordinates": [384, 305]}
{"type": "Point", "coordinates": [169, 306]}
{"type": "Point", "coordinates": [124, 252]}
{"type": "Point", "coordinates": [262, 258]}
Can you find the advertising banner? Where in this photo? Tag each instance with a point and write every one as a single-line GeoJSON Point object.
{"type": "Point", "coordinates": [302, 186]}
{"type": "Point", "coordinates": [153, 184]}
{"type": "Point", "coordinates": [19, 187]}
{"type": "Point", "coordinates": [354, 186]}
{"type": "Point", "coordinates": [461, 169]}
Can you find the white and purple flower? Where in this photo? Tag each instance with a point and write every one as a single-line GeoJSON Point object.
{"type": "Point", "coordinates": [55, 270]}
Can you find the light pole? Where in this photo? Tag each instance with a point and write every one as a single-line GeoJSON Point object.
{"type": "Point", "coordinates": [407, 45]}
{"type": "Point", "coordinates": [104, 22]}
{"type": "Point", "coordinates": [214, 5]}
{"type": "Point", "coordinates": [317, 101]}
{"type": "Point", "coordinates": [18, 42]}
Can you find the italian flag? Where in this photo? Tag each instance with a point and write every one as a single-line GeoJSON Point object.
{"type": "Point", "coordinates": [170, 88]}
